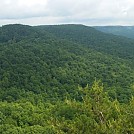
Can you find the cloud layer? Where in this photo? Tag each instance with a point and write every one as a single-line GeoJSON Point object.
{"type": "Point", "coordinates": [89, 12]}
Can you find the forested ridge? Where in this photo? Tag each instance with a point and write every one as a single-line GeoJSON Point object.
{"type": "Point", "coordinates": [91, 38]}
{"type": "Point", "coordinates": [65, 79]}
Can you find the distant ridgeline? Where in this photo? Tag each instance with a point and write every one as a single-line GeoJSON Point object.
{"type": "Point", "coordinates": [65, 79]}
{"type": "Point", "coordinates": [126, 31]}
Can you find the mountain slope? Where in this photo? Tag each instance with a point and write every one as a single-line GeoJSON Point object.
{"type": "Point", "coordinates": [91, 38]}
{"type": "Point", "coordinates": [57, 83]}
{"type": "Point", "coordinates": [54, 66]}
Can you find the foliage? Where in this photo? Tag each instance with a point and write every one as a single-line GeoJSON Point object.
{"type": "Point", "coordinates": [94, 114]}
{"type": "Point", "coordinates": [44, 64]}
{"type": "Point", "coordinates": [46, 76]}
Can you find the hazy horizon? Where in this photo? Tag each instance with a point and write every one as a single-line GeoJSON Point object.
{"type": "Point", "coordinates": [69, 24]}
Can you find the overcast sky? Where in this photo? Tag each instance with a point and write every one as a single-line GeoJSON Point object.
{"type": "Point", "coordinates": [88, 12]}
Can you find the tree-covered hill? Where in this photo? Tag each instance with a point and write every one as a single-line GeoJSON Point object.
{"type": "Point", "coordinates": [92, 38]}
{"type": "Point", "coordinates": [47, 76]}
{"type": "Point", "coordinates": [15, 32]}
{"type": "Point", "coordinates": [18, 32]}
{"type": "Point", "coordinates": [42, 62]}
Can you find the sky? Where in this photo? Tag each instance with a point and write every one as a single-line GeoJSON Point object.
{"type": "Point", "coordinates": [87, 12]}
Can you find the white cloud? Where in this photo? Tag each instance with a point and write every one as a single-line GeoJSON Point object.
{"type": "Point", "coordinates": [10, 9]}
{"type": "Point", "coordinates": [90, 12]}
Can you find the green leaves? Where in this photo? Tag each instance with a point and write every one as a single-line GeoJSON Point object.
{"type": "Point", "coordinates": [95, 113]}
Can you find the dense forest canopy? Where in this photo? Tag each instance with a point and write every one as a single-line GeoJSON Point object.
{"type": "Point", "coordinates": [89, 37]}
{"type": "Point", "coordinates": [65, 79]}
